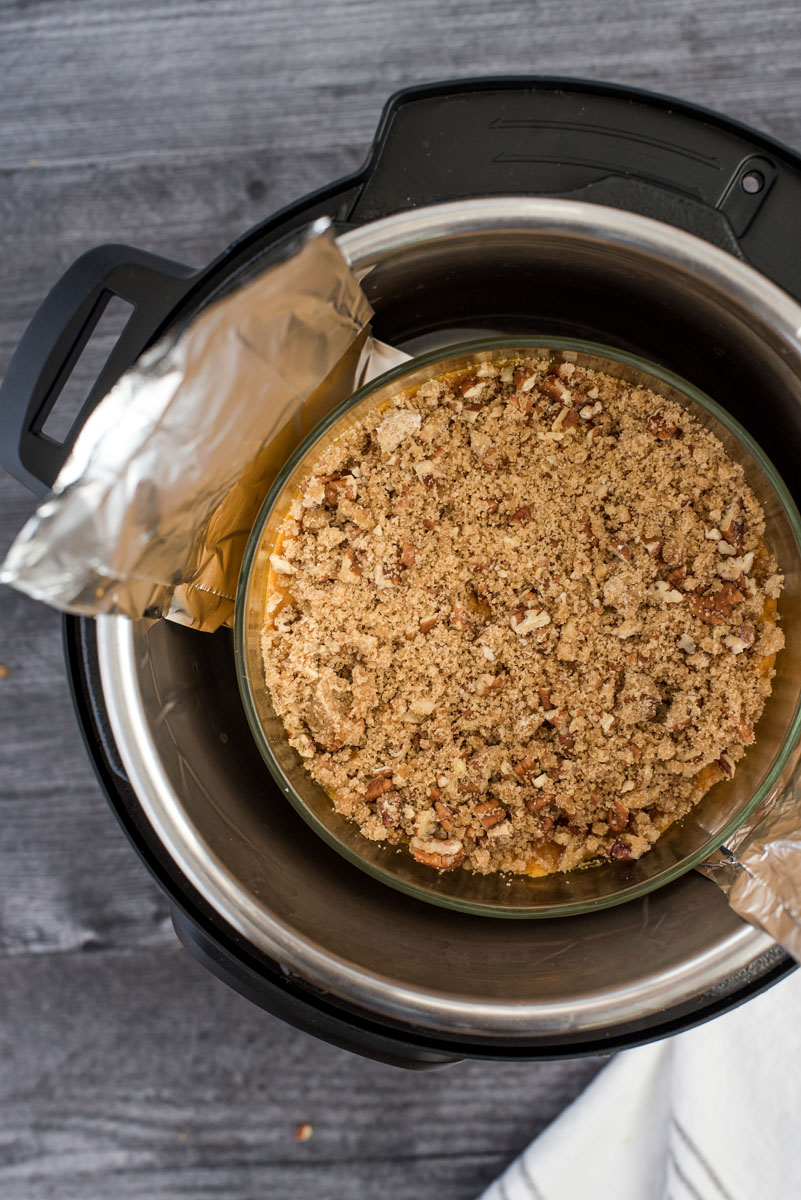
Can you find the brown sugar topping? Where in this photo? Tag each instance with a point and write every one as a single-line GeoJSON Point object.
{"type": "Point", "coordinates": [522, 618]}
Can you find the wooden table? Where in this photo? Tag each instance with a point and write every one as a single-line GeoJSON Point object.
{"type": "Point", "coordinates": [125, 1069]}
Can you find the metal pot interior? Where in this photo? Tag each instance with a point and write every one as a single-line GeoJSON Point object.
{"type": "Point", "coordinates": [434, 276]}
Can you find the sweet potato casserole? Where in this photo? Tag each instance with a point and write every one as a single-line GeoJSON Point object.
{"type": "Point", "coordinates": [522, 618]}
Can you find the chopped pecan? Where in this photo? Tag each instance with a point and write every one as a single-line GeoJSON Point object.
{"type": "Point", "coordinates": [544, 697]}
{"type": "Point", "coordinates": [617, 817]}
{"type": "Point", "coordinates": [408, 555]}
{"type": "Point", "coordinates": [716, 607]}
{"type": "Point", "coordinates": [653, 546]}
{"type": "Point", "coordinates": [524, 620]}
{"type": "Point", "coordinates": [489, 813]}
{"type": "Point", "coordinates": [376, 787]}
{"type": "Point", "coordinates": [390, 809]}
{"type": "Point", "coordinates": [568, 418]}
{"type": "Point", "coordinates": [444, 856]}
{"type": "Point", "coordinates": [445, 815]}
{"type": "Point", "coordinates": [429, 524]}
{"type": "Point", "coordinates": [535, 803]}
{"type": "Point", "coordinates": [470, 387]}
{"type": "Point", "coordinates": [524, 378]}
{"type": "Point", "coordinates": [726, 765]}
{"type": "Point", "coordinates": [521, 517]}
{"type": "Point", "coordinates": [525, 769]}
{"type": "Point", "coordinates": [661, 428]}
{"type": "Point", "coordinates": [486, 684]}
{"type": "Point", "coordinates": [587, 530]}
{"type": "Point", "coordinates": [620, 850]}
{"type": "Point", "coordinates": [426, 624]}
{"type": "Point", "coordinates": [554, 389]}
{"type": "Point", "coordinates": [339, 487]}
{"type": "Point", "coordinates": [733, 525]}
{"type": "Point", "coordinates": [621, 549]}
{"type": "Point", "coordinates": [470, 789]}
{"type": "Point", "coordinates": [665, 592]}
{"type": "Point", "coordinates": [460, 620]}
{"type": "Point", "coordinates": [350, 571]}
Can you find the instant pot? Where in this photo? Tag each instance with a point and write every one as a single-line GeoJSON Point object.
{"type": "Point", "coordinates": [490, 207]}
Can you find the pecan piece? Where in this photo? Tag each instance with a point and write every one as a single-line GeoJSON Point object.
{"type": "Point", "coordinates": [390, 809]}
{"type": "Point", "coordinates": [376, 787]}
{"type": "Point", "coordinates": [489, 813]}
{"type": "Point", "coordinates": [566, 739]}
{"type": "Point", "coordinates": [350, 571]}
{"type": "Point", "coordinates": [620, 850]}
{"type": "Point", "coordinates": [622, 550]}
{"type": "Point", "coordinates": [554, 389]}
{"type": "Point", "coordinates": [445, 815]}
{"type": "Point", "coordinates": [587, 531]}
{"type": "Point", "coordinates": [460, 620]}
{"type": "Point", "coordinates": [408, 555]}
{"type": "Point", "coordinates": [746, 633]}
{"type": "Point", "coordinates": [339, 487]}
{"type": "Point", "coordinates": [617, 818]}
{"type": "Point", "coordinates": [427, 624]}
{"type": "Point", "coordinates": [444, 856]}
{"type": "Point", "coordinates": [521, 517]}
{"type": "Point", "coordinates": [726, 765]}
{"type": "Point", "coordinates": [732, 526]}
{"type": "Point", "coordinates": [470, 387]}
{"type": "Point", "coordinates": [716, 607]}
{"type": "Point", "coordinates": [662, 429]}
{"type": "Point", "coordinates": [525, 768]}
{"type": "Point", "coordinates": [568, 418]}
{"type": "Point", "coordinates": [524, 378]}
{"type": "Point", "coordinates": [535, 803]}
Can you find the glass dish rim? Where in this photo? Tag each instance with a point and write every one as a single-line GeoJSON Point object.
{"type": "Point", "coordinates": [418, 362]}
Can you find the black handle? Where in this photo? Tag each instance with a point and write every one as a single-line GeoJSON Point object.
{"type": "Point", "coordinates": [279, 997]}
{"type": "Point", "coordinates": [55, 338]}
{"type": "Point", "coordinates": [598, 142]}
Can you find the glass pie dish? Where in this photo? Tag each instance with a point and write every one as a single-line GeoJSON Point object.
{"type": "Point", "coordinates": [685, 843]}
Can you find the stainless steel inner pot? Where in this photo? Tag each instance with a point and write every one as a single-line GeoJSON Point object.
{"type": "Point", "coordinates": [434, 277]}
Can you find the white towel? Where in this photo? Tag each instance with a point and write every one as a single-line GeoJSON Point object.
{"type": "Point", "coordinates": [712, 1114]}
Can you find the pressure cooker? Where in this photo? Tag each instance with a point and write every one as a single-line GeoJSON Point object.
{"type": "Point", "coordinates": [511, 206]}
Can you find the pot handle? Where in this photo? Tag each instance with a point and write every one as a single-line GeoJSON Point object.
{"type": "Point", "coordinates": [276, 994]}
{"type": "Point", "coordinates": [55, 338]}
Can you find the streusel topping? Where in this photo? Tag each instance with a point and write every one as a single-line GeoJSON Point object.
{"type": "Point", "coordinates": [522, 618]}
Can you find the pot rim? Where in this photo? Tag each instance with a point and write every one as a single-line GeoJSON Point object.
{"type": "Point", "coordinates": [745, 288]}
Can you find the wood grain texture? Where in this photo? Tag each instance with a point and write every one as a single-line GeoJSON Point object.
{"type": "Point", "coordinates": [125, 1069]}
{"type": "Point", "coordinates": [139, 1075]}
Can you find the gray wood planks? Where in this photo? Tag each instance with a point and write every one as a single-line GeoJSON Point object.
{"type": "Point", "coordinates": [126, 1070]}
{"type": "Point", "coordinates": [138, 1074]}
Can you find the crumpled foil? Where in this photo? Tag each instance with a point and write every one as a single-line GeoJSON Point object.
{"type": "Point", "coordinates": [150, 515]}
{"type": "Point", "coordinates": [759, 868]}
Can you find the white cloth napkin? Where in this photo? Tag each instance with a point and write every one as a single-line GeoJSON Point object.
{"type": "Point", "coordinates": [712, 1114]}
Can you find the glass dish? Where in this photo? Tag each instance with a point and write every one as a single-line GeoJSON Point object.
{"type": "Point", "coordinates": [684, 844]}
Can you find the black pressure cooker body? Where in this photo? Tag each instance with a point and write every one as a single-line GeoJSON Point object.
{"type": "Point", "coordinates": [617, 147]}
